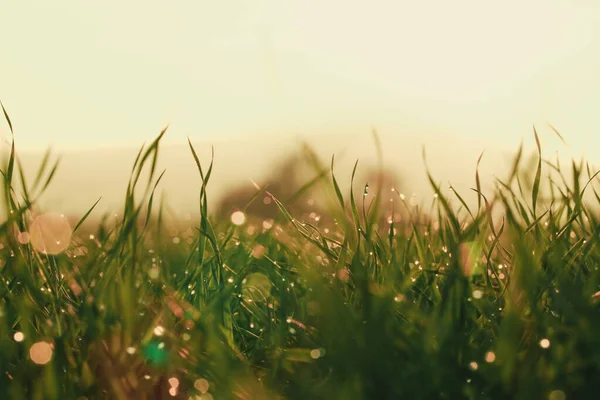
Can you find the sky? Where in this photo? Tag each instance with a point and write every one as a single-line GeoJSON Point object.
{"type": "Point", "coordinates": [83, 75]}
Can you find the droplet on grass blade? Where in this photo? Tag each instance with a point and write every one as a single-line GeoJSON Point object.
{"type": "Point", "coordinates": [398, 298]}
{"type": "Point", "coordinates": [19, 337]}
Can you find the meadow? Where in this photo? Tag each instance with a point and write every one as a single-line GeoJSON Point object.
{"type": "Point", "coordinates": [360, 295]}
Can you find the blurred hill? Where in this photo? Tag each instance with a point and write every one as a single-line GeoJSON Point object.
{"type": "Point", "coordinates": [84, 176]}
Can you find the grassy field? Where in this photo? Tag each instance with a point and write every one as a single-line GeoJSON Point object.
{"type": "Point", "coordinates": [354, 297]}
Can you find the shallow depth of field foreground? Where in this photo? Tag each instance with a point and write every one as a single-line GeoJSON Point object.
{"type": "Point", "coordinates": [359, 295]}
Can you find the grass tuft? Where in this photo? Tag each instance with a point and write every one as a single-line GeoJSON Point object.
{"type": "Point", "coordinates": [355, 300]}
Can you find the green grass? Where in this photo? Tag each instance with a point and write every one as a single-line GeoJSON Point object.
{"type": "Point", "coordinates": [448, 302]}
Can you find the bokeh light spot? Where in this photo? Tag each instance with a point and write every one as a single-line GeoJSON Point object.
{"type": "Point", "coordinates": [40, 353]}
{"type": "Point", "coordinates": [23, 237]}
{"type": "Point", "coordinates": [238, 218]}
{"type": "Point", "coordinates": [557, 395]}
{"type": "Point", "coordinates": [202, 385]}
{"type": "Point", "coordinates": [174, 382]}
{"type": "Point", "coordinates": [50, 233]}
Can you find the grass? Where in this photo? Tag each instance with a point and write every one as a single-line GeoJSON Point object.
{"type": "Point", "coordinates": [446, 302]}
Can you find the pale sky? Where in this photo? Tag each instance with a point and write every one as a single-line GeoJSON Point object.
{"type": "Point", "coordinates": [87, 73]}
{"type": "Point", "coordinates": [82, 74]}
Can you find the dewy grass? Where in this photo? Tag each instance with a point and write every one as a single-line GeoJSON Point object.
{"type": "Point", "coordinates": [493, 302]}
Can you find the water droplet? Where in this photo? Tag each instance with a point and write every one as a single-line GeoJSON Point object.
{"type": "Point", "coordinates": [473, 365]}
{"type": "Point", "coordinates": [159, 330]}
{"type": "Point", "coordinates": [544, 343]}
{"type": "Point", "coordinates": [490, 357]}
{"type": "Point", "coordinates": [19, 337]}
{"type": "Point", "coordinates": [477, 294]}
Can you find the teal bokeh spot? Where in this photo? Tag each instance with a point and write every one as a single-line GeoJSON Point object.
{"type": "Point", "coordinates": [156, 353]}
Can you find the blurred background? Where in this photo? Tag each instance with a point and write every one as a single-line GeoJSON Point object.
{"type": "Point", "coordinates": [257, 79]}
